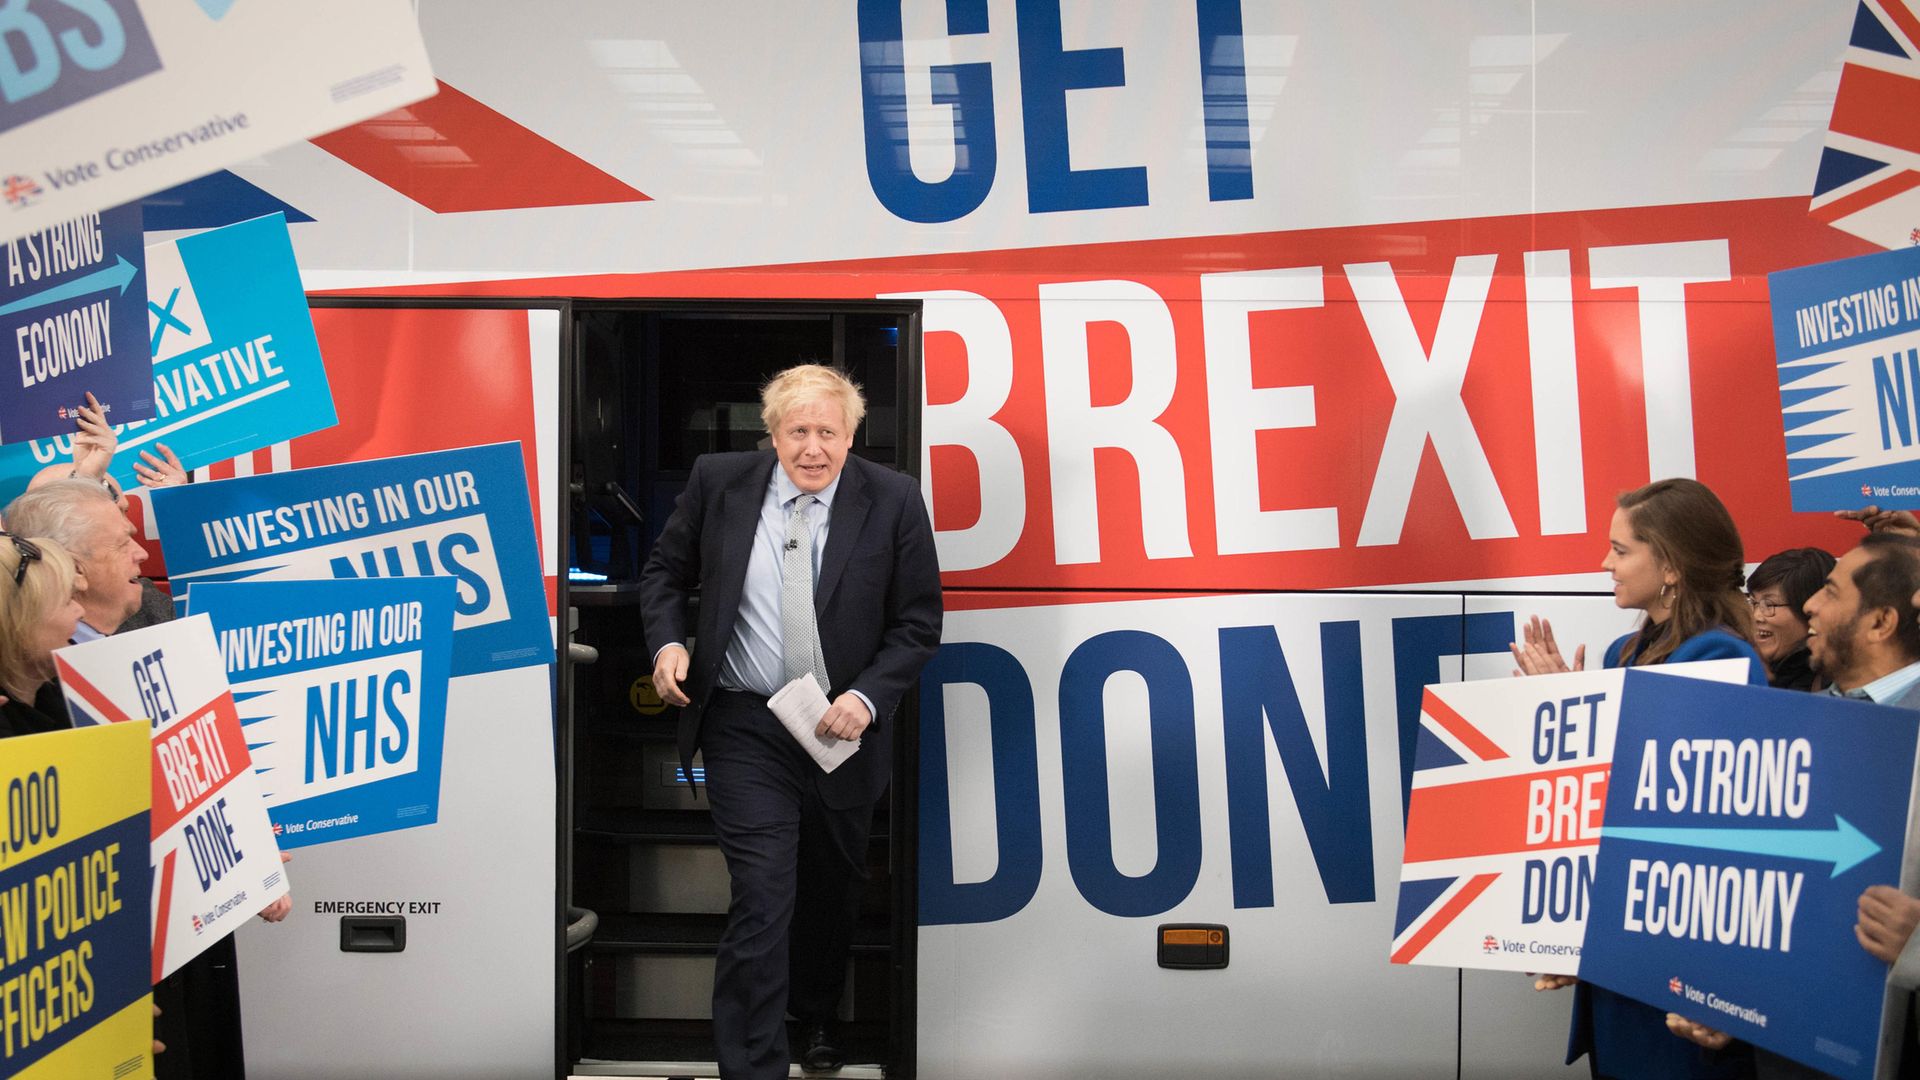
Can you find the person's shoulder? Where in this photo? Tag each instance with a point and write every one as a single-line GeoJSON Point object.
{"type": "Point", "coordinates": [1715, 644]}
{"type": "Point", "coordinates": [1614, 651]}
{"type": "Point", "coordinates": [881, 480]}
{"type": "Point", "coordinates": [1722, 644]}
{"type": "Point", "coordinates": [1908, 698]}
{"type": "Point", "coordinates": [726, 465]}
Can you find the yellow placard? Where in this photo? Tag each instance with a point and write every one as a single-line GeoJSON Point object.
{"type": "Point", "coordinates": [75, 938]}
{"type": "Point", "coordinates": [118, 1048]}
{"type": "Point", "coordinates": [91, 776]}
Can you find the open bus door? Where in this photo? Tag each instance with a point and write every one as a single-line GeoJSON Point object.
{"type": "Point", "coordinates": [656, 384]}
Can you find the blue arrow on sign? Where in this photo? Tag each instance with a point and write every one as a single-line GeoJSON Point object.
{"type": "Point", "coordinates": [117, 276]}
{"type": "Point", "coordinates": [1843, 845]}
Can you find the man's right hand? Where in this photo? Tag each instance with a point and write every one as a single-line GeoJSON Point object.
{"type": "Point", "coordinates": [669, 671]}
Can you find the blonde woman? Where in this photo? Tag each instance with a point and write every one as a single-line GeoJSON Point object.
{"type": "Point", "coordinates": [38, 611]}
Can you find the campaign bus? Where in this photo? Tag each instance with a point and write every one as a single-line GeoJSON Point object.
{"type": "Point", "coordinates": [1261, 363]}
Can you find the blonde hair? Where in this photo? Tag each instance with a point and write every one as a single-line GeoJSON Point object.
{"type": "Point", "coordinates": [811, 382]}
{"type": "Point", "coordinates": [23, 608]}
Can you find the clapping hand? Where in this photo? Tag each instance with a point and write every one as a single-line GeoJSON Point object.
{"type": "Point", "coordinates": [1538, 654]}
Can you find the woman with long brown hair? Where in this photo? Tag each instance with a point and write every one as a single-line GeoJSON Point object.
{"type": "Point", "coordinates": [1674, 554]}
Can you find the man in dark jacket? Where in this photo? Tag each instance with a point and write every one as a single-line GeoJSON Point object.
{"type": "Point", "coordinates": [809, 564]}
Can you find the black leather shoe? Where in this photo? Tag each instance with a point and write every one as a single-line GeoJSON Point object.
{"type": "Point", "coordinates": [822, 1053]}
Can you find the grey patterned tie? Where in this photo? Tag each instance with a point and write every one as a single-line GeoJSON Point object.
{"type": "Point", "coordinates": [799, 634]}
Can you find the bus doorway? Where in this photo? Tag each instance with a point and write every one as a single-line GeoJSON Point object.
{"type": "Point", "coordinates": [654, 385]}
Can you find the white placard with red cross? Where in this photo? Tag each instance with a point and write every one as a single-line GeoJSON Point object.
{"type": "Point", "coordinates": [215, 863]}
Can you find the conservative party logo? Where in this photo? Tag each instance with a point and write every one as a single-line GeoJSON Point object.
{"type": "Point", "coordinates": [21, 191]}
{"type": "Point", "coordinates": [59, 54]}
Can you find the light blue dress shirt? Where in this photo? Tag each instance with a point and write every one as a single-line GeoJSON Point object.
{"type": "Point", "coordinates": [1894, 683]}
{"type": "Point", "coordinates": [754, 661]}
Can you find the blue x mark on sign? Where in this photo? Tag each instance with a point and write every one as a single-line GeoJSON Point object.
{"type": "Point", "coordinates": [167, 319]}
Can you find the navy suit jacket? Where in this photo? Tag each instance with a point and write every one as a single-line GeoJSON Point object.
{"type": "Point", "coordinates": [877, 599]}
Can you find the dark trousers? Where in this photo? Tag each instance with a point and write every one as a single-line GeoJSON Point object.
{"type": "Point", "coordinates": [199, 1018]}
{"type": "Point", "coordinates": [793, 863]}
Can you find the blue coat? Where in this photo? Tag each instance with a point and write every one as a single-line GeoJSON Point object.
{"type": "Point", "coordinates": [1626, 1038]}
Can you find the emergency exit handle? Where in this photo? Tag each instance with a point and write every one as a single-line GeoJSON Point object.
{"type": "Point", "coordinates": [373, 933]}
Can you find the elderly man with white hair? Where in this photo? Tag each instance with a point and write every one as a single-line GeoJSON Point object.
{"type": "Point", "coordinates": [81, 516]}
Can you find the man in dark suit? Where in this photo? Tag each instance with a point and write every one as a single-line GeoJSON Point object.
{"type": "Point", "coordinates": [809, 564]}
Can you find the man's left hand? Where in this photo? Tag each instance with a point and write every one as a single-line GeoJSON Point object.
{"type": "Point", "coordinates": [845, 719]}
{"type": "Point", "coordinates": [1887, 919]}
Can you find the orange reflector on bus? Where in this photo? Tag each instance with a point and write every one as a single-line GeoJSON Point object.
{"type": "Point", "coordinates": [1192, 945]}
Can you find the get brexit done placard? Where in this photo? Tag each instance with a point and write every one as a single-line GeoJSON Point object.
{"type": "Point", "coordinates": [464, 513]}
{"type": "Point", "coordinates": [342, 692]}
{"type": "Point", "coordinates": [214, 860]}
{"type": "Point", "coordinates": [1509, 784]}
{"type": "Point", "coordinates": [74, 967]}
{"type": "Point", "coordinates": [1742, 827]}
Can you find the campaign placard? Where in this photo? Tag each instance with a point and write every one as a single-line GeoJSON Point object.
{"type": "Point", "coordinates": [74, 970]}
{"type": "Point", "coordinates": [1503, 822]}
{"type": "Point", "coordinates": [73, 319]}
{"type": "Point", "coordinates": [235, 363]}
{"type": "Point", "coordinates": [342, 692]}
{"type": "Point", "coordinates": [213, 855]}
{"type": "Point", "coordinates": [1846, 337]}
{"type": "Point", "coordinates": [1741, 829]}
{"type": "Point", "coordinates": [464, 513]}
{"type": "Point", "coordinates": [107, 101]}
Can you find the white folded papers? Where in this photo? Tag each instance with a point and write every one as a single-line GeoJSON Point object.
{"type": "Point", "coordinates": [800, 705]}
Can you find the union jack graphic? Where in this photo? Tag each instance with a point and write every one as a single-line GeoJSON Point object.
{"type": "Point", "coordinates": [1428, 906]}
{"type": "Point", "coordinates": [1869, 178]}
{"type": "Point", "coordinates": [1674, 984]}
{"type": "Point", "coordinates": [197, 927]}
{"type": "Point", "coordinates": [19, 190]}
{"type": "Point", "coordinates": [1473, 824]}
